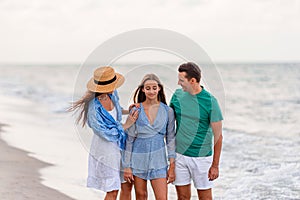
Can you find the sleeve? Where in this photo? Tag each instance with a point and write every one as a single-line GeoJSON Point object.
{"type": "Point", "coordinates": [126, 155]}
{"type": "Point", "coordinates": [170, 136]}
{"type": "Point", "coordinates": [216, 114]}
{"type": "Point", "coordinates": [98, 126]}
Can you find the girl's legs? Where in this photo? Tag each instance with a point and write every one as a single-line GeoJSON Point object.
{"type": "Point", "coordinates": [160, 188]}
{"type": "Point", "coordinates": [140, 187]}
{"type": "Point", "coordinates": [126, 191]}
{"type": "Point", "coordinates": [111, 195]}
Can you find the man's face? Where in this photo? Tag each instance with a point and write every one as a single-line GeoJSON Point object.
{"type": "Point", "coordinates": [184, 82]}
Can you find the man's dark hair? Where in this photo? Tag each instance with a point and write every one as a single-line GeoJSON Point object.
{"type": "Point", "coordinates": [192, 71]}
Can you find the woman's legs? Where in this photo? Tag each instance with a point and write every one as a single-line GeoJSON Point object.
{"type": "Point", "coordinates": [140, 187]}
{"type": "Point", "coordinates": [111, 195]}
{"type": "Point", "coordinates": [160, 188]}
{"type": "Point", "coordinates": [126, 191]}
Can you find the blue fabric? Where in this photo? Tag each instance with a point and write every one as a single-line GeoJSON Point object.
{"type": "Point", "coordinates": [103, 124]}
{"type": "Point", "coordinates": [151, 173]}
{"type": "Point", "coordinates": [145, 151]}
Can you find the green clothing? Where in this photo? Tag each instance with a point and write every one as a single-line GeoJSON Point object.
{"type": "Point", "coordinates": [194, 113]}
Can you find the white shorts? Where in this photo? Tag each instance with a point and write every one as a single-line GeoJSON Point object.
{"type": "Point", "coordinates": [193, 168]}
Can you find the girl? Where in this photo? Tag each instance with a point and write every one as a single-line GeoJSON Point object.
{"type": "Point", "coordinates": [145, 155]}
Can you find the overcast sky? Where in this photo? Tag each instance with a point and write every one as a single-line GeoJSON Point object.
{"type": "Point", "coordinates": [60, 31]}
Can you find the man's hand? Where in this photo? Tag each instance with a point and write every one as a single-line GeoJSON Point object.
{"type": "Point", "coordinates": [213, 173]}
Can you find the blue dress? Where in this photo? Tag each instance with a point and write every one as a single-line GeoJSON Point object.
{"type": "Point", "coordinates": [145, 151]}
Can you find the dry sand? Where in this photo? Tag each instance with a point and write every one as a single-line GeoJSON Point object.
{"type": "Point", "coordinates": [20, 177]}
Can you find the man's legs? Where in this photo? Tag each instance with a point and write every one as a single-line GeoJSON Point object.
{"type": "Point", "coordinates": [183, 192]}
{"type": "Point", "coordinates": [183, 178]}
{"type": "Point", "coordinates": [200, 178]}
{"type": "Point", "coordinates": [204, 194]}
{"type": "Point", "coordinates": [195, 168]}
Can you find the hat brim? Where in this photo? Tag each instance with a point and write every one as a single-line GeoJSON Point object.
{"type": "Point", "coordinates": [91, 86]}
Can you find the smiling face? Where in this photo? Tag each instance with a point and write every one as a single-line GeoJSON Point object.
{"type": "Point", "coordinates": [184, 82]}
{"type": "Point", "coordinates": [151, 89]}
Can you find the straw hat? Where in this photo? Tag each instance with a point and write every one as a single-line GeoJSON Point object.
{"type": "Point", "coordinates": [105, 80]}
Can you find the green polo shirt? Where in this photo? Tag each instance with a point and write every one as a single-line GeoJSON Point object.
{"type": "Point", "coordinates": [194, 113]}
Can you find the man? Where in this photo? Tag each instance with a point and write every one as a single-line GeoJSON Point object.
{"type": "Point", "coordinates": [199, 122]}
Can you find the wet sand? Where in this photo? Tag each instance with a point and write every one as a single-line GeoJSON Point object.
{"type": "Point", "coordinates": [20, 177]}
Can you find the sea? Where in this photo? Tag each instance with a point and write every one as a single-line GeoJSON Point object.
{"type": "Point", "coordinates": [260, 102]}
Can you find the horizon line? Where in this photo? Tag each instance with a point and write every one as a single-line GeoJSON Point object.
{"type": "Point", "coordinates": [163, 62]}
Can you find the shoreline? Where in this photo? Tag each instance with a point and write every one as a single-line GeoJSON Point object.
{"type": "Point", "coordinates": [20, 176]}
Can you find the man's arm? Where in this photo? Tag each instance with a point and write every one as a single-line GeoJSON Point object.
{"type": "Point", "coordinates": [214, 169]}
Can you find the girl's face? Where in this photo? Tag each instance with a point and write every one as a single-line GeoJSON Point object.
{"type": "Point", "coordinates": [151, 89]}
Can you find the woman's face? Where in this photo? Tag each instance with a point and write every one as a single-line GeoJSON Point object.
{"type": "Point", "coordinates": [151, 89]}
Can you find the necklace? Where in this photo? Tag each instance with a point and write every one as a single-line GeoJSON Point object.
{"type": "Point", "coordinates": [103, 98]}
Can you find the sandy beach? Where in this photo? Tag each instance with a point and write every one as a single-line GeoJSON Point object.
{"type": "Point", "coordinates": [20, 177]}
{"type": "Point", "coordinates": [37, 159]}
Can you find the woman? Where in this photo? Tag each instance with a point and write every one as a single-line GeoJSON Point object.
{"type": "Point", "coordinates": [145, 156]}
{"type": "Point", "coordinates": [100, 109]}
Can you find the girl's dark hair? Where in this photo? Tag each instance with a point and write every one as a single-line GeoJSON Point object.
{"type": "Point", "coordinates": [139, 95]}
{"type": "Point", "coordinates": [192, 71]}
{"type": "Point", "coordinates": [82, 106]}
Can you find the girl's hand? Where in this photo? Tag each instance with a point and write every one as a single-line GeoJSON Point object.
{"type": "Point", "coordinates": [171, 173]}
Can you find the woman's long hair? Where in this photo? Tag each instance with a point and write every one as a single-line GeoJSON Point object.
{"type": "Point", "coordinates": [82, 106]}
{"type": "Point", "coordinates": [139, 95]}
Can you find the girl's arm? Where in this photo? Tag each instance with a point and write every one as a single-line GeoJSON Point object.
{"type": "Point", "coordinates": [170, 136]}
{"type": "Point", "coordinates": [126, 154]}
{"type": "Point", "coordinates": [170, 139]}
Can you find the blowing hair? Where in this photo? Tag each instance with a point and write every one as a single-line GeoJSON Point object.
{"type": "Point", "coordinates": [139, 95]}
{"type": "Point", "coordinates": [192, 71]}
{"type": "Point", "coordinates": [82, 106]}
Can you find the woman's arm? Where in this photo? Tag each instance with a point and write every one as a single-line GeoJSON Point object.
{"type": "Point", "coordinates": [125, 112]}
{"type": "Point", "coordinates": [132, 117]}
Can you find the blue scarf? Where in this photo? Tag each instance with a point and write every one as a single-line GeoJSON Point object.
{"type": "Point", "coordinates": [103, 124]}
